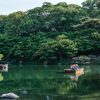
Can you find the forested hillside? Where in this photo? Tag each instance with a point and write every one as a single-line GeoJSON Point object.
{"type": "Point", "coordinates": [51, 32]}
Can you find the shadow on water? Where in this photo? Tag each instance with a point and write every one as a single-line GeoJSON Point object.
{"type": "Point", "coordinates": [62, 72]}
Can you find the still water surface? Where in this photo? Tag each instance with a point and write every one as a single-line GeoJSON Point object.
{"type": "Point", "coordinates": [32, 82]}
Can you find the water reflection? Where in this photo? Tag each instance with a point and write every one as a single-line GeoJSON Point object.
{"type": "Point", "coordinates": [4, 68]}
{"type": "Point", "coordinates": [87, 69]}
{"type": "Point", "coordinates": [75, 78]}
{"type": "Point", "coordinates": [23, 91]}
{"type": "Point", "coordinates": [1, 77]}
{"type": "Point", "coordinates": [44, 83]}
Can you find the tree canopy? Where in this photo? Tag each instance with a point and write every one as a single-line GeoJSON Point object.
{"type": "Point", "coordinates": [51, 32]}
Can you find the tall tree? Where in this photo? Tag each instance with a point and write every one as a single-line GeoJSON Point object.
{"type": "Point", "coordinates": [2, 23]}
{"type": "Point", "coordinates": [90, 5]}
{"type": "Point", "coordinates": [12, 22]}
{"type": "Point", "coordinates": [60, 46]}
{"type": "Point", "coordinates": [62, 16]}
{"type": "Point", "coordinates": [28, 25]}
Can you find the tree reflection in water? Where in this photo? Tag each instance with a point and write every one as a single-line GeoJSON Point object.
{"type": "Point", "coordinates": [44, 83]}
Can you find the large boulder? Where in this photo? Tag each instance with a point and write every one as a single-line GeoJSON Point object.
{"type": "Point", "coordinates": [10, 96]}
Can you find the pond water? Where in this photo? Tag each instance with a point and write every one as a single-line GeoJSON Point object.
{"type": "Point", "coordinates": [32, 82]}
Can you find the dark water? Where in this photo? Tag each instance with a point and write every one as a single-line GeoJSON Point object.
{"type": "Point", "coordinates": [32, 82]}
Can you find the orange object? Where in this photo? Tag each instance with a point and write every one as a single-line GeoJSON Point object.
{"type": "Point", "coordinates": [75, 71]}
{"type": "Point", "coordinates": [74, 65]}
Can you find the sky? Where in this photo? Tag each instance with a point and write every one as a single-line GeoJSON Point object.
{"type": "Point", "coordinates": [10, 6]}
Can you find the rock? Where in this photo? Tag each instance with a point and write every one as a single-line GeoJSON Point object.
{"type": "Point", "coordinates": [10, 96]}
{"type": "Point", "coordinates": [59, 64]}
{"type": "Point", "coordinates": [45, 63]}
{"type": "Point", "coordinates": [23, 92]}
{"type": "Point", "coordinates": [20, 62]}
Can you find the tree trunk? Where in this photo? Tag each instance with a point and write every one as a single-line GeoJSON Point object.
{"type": "Point", "coordinates": [61, 56]}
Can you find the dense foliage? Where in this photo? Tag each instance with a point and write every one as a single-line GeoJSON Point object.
{"type": "Point", "coordinates": [51, 32]}
{"type": "Point", "coordinates": [1, 56]}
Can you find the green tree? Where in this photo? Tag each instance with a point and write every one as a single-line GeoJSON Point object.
{"type": "Point", "coordinates": [28, 26]}
{"type": "Point", "coordinates": [60, 46]}
{"type": "Point", "coordinates": [92, 8]}
{"type": "Point", "coordinates": [87, 41]}
{"type": "Point", "coordinates": [98, 4]}
{"type": "Point", "coordinates": [62, 16]}
{"type": "Point", "coordinates": [65, 46]}
{"type": "Point", "coordinates": [1, 56]}
{"type": "Point", "coordinates": [95, 13]}
{"type": "Point", "coordinates": [88, 23]}
{"type": "Point", "coordinates": [40, 13]}
{"type": "Point", "coordinates": [89, 5]}
{"type": "Point", "coordinates": [12, 22]}
{"type": "Point", "coordinates": [2, 23]}
{"type": "Point", "coordinates": [3, 43]}
{"type": "Point", "coordinates": [46, 51]}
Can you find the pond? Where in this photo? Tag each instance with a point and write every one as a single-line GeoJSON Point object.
{"type": "Point", "coordinates": [32, 82]}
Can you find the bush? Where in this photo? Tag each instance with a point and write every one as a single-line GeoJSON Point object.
{"type": "Point", "coordinates": [83, 59]}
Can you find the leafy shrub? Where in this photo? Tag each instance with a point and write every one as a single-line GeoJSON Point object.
{"type": "Point", "coordinates": [83, 59]}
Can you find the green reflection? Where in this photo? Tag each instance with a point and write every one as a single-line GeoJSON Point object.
{"type": "Point", "coordinates": [48, 82]}
{"type": "Point", "coordinates": [1, 77]}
